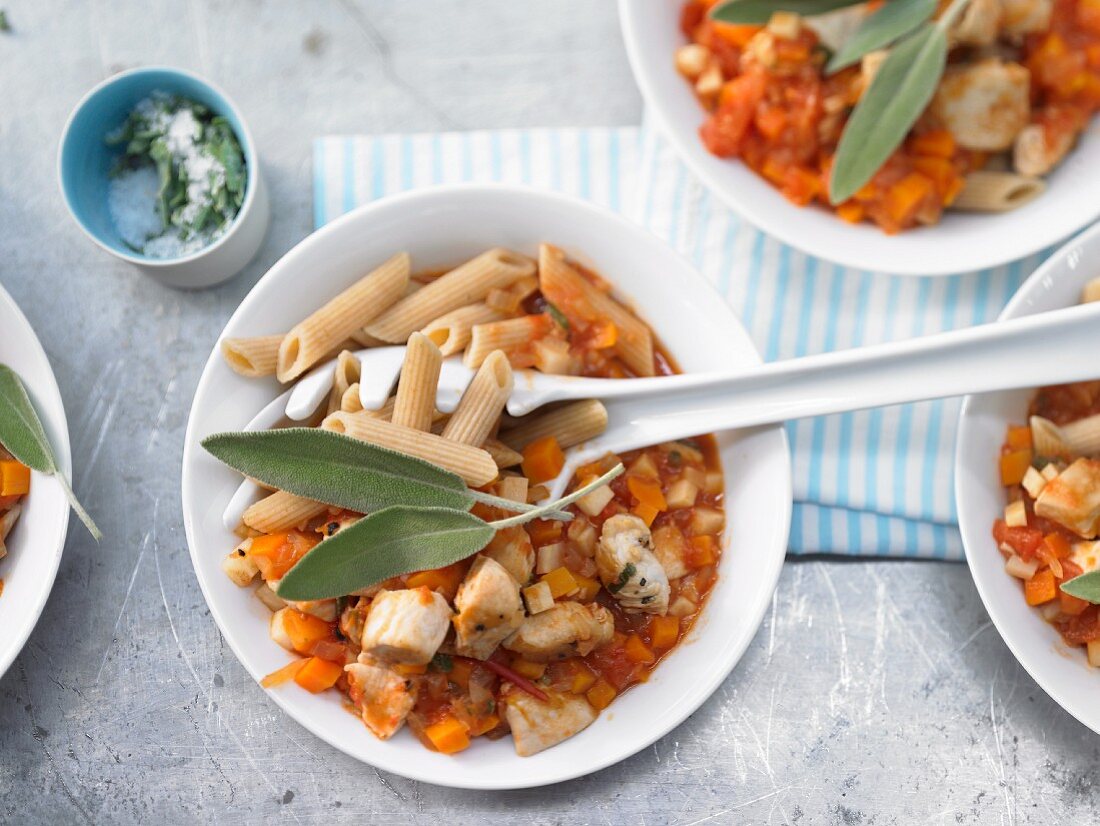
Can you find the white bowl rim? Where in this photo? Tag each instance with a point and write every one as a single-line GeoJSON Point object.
{"type": "Point", "coordinates": [846, 252]}
{"type": "Point", "coordinates": [770, 576]}
{"type": "Point", "coordinates": [1076, 706]}
{"type": "Point", "coordinates": [62, 451]}
{"type": "Point", "coordinates": [246, 141]}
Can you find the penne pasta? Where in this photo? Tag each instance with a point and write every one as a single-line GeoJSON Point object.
{"type": "Point", "coordinates": [253, 357]}
{"type": "Point", "coordinates": [415, 401]}
{"type": "Point", "coordinates": [345, 375]}
{"type": "Point", "coordinates": [1091, 292]}
{"type": "Point", "coordinates": [451, 332]}
{"type": "Point", "coordinates": [364, 339]}
{"type": "Point", "coordinates": [509, 336]}
{"type": "Point", "coordinates": [574, 295]}
{"type": "Point", "coordinates": [350, 402]}
{"type": "Point", "coordinates": [503, 455]}
{"type": "Point", "coordinates": [465, 285]}
{"type": "Point", "coordinates": [480, 406]}
{"type": "Point", "coordinates": [341, 317]}
{"type": "Point", "coordinates": [1083, 436]}
{"type": "Point", "coordinates": [991, 191]}
{"type": "Point", "coordinates": [473, 464]}
{"type": "Point", "coordinates": [281, 511]}
{"type": "Point", "coordinates": [509, 300]}
{"type": "Point", "coordinates": [7, 522]}
{"type": "Point", "coordinates": [570, 425]}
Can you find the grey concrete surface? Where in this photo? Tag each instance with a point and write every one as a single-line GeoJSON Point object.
{"type": "Point", "coordinates": [874, 693]}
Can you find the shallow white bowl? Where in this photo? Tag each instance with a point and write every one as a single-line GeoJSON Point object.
{"type": "Point", "coordinates": [960, 243]}
{"type": "Point", "coordinates": [445, 226]}
{"type": "Point", "coordinates": [1061, 671]}
{"type": "Point", "coordinates": [38, 538]}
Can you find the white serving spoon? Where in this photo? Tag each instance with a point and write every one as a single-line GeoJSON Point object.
{"type": "Point", "coordinates": [1046, 348]}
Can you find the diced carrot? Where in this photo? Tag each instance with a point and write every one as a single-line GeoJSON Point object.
{"type": "Point", "coordinates": [304, 630]}
{"type": "Point", "coordinates": [583, 679]}
{"type": "Point", "coordinates": [771, 121]}
{"type": "Point", "coordinates": [637, 651]}
{"type": "Point", "coordinates": [1040, 588]}
{"type": "Point", "coordinates": [444, 580]}
{"type": "Point", "coordinates": [736, 34]}
{"type": "Point", "coordinates": [904, 198]}
{"type": "Point", "coordinates": [410, 670]}
{"type": "Point", "coordinates": [484, 724]}
{"type": "Point", "coordinates": [664, 631]}
{"type": "Point", "coordinates": [701, 551]}
{"type": "Point", "coordinates": [282, 675]}
{"type": "Point", "coordinates": [1019, 438]}
{"type": "Point", "coordinates": [850, 211]}
{"type": "Point", "coordinates": [1014, 465]}
{"type": "Point", "coordinates": [543, 459]}
{"type": "Point", "coordinates": [589, 587]}
{"type": "Point", "coordinates": [647, 492]}
{"type": "Point", "coordinates": [1070, 604]}
{"type": "Point", "coordinates": [561, 582]}
{"type": "Point", "coordinates": [15, 478]}
{"type": "Point", "coordinates": [544, 531]}
{"type": "Point", "coordinates": [530, 670]}
{"type": "Point", "coordinates": [1057, 545]}
{"type": "Point", "coordinates": [317, 675]}
{"type": "Point", "coordinates": [603, 335]}
{"type": "Point", "coordinates": [600, 695]}
{"type": "Point", "coordinates": [448, 736]}
{"type": "Point", "coordinates": [646, 513]}
{"type": "Point", "coordinates": [276, 553]}
{"type": "Point", "coordinates": [938, 143]}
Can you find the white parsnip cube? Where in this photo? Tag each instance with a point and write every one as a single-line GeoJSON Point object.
{"type": "Point", "coordinates": [692, 60]}
{"type": "Point", "coordinates": [1050, 472]}
{"type": "Point", "coordinates": [1094, 653]}
{"type": "Point", "coordinates": [644, 466]}
{"type": "Point", "coordinates": [513, 488]}
{"type": "Point", "coordinates": [1016, 514]}
{"type": "Point", "coordinates": [238, 565]}
{"type": "Point", "coordinates": [709, 83]}
{"type": "Point", "coordinates": [681, 607]}
{"type": "Point", "coordinates": [1016, 567]}
{"type": "Point", "coordinates": [269, 598]}
{"type": "Point", "coordinates": [1091, 291]}
{"type": "Point", "coordinates": [682, 494]}
{"type": "Point", "coordinates": [594, 502]}
{"type": "Point", "coordinates": [697, 477]}
{"type": "Point", "coordinates": [785, 24]}
{"type": "Point", "coordinates": [582, 534]}
{"type": "Point", "coordinates": [538, 598]}
{"type": "Point", "coordinates": [707, 520]}
{"type": "Point", "coordinates": [278, 629]}
{"type": "Point", "coordinates": [714, 482]}
{"type": "Point", "coordinates": [1033, 482]}
{"type": "Point", "coordinates": [549, 558]}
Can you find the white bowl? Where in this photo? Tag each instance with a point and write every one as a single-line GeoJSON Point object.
{"type": "Point", "coordinates": [960, 243]}
{"type": "Point", "coordinates": [1062, 671]}
{"type": "Point", "coordinates": [38, 538]}
{"type": "Point", "coordinates": [443, 226]}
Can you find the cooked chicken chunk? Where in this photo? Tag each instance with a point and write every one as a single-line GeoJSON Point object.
{"type": "Point", "coordinates": [537, 726]}
{"type": "Point", "coordinates": [979, 24]}
{"type": "Point", "coordinates": [1072, 498]}
{"type": "Point", "coordinates": [1020, 17]}
{"type": "Point", "coordinates": [384, 698]}
{"type": "Point", "coordinates": [984, 105]}
{"type": "Point", "coordinates": [511, 547]}
{"type": "Point", "coordinates": [1035, 152]}
{"type": "Point", "coordinates": [406, 626]}
{"type": "Point", "coordinates": [567, 629]}
{"type": "Point", "coordinates": [628, 567]}
{"type": "Point", "coordinates": [489, 609]}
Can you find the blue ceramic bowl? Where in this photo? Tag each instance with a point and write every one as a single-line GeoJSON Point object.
{"type": "Point", "coordinates": [85, 163]}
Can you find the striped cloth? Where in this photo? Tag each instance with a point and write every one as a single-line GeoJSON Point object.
{"type": "Point", "coordinates": [874, 483]}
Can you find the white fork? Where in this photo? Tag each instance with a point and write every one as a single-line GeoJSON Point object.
{"type": "Point", "coordinates": [1046, 348]}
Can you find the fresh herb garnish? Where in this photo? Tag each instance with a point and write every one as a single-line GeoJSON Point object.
{"type": "Point", "coordinates": [558, 316]}
{"type": "Point", "coordinates": [1086, 587]}
{"type": "Point", "coordinates": [624, 577]}
{"type": "Point", "coordinates": [22, 435]}
{"type": "Point", "coordinates": [442, 662]}
{"type": "Point", "coordinates": [759, 12]}
{"type": "Point", "coordinates": [892, 21]}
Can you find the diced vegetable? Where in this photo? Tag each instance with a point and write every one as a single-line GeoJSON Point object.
{"type": "Point", "coordinates": [283, 675]}
{"type": "Point", "coordinates": [444, 580]}
{"type": "Point", "coordinates": [513, 488]}
{"type": "Point", "coordinates": [702, 550]}
{"type": "Point", "coordinates": [549, 557]}
{"type": "Point", "coordinates": [1050, 472]}
{"type": "Point", "coordinates": [600, 695]}
{"type": "Point", "coordinates": [681, 607]}
{"type": "Point", "coordinates": [1094, 653]}
{"type": "Point", "coordinates": [542, 531]}
{"type": "Point", "coordinates": [15, 478]}
{"type": "Point", "coordinates": [637, 651]}
{"type": "Point", "coordinates": [543, 459]}
{"type": "Point", "coordinates": [410, 669]}
{"type": "Point", "coordinates": [316, 675]}
{"type": "Point", "coordinates": [269, 598]}
{"type": "Point", "coordinates": [460, 672]}
{"type": "Point", "coordinates": [275, 554]}
{"type": "Point", "coordinates": [583, 679]}
{"type": "Point", "coordinates": [587, 587]}
{"type": "Point", "coordinates": [538, 598]}
{"type": "Point", "coordinates": [647, 492]}
{"type": "Point", "coordinates": [1014, 465]}
{"type": "Point", "coordinates": [1033, 482]}
{"type": "Point", "coordinates": [1016, 514]}
{"type": "Point", "coordinates": [298, 631]}
{"type": "Point", "coordinates": [707, 520]}
{"type": "Point", "coordinates": [1019, 438]}
{"type": "Point", "coordinates": [1071, 605]}
{"type": "Point", "coordinates": [530, 670]}
{"type": "Point", "coordinates": [561, 582]}
{"type": "Point", "coordinates": [664, 631]}
{"type": "Point", "coordinates": [448, 736]}
{"type": "Point", "coordinates": [594, 502]}
{"type": "Point", "coordinates": [1014, 566]}
{"type": "Point", "coordinates": [647, 513]}
{"type": "Point", "coordinates": [682, 494]}
{"type": "Point", "coordinates": [239, 566]}
{"type": "Point", "coordinates": [644, 468]}
{"type": "Point", "coordinates": [1040, 588]}
{"type": "Point", "coordinates": [1057, 545]}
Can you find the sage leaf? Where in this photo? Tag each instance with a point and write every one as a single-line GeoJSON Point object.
{"type": "Point", "coordinates": [22, 435]}
{"type": "Point", "coordinates": [385, 544]}
{"type": "Point", "coordinates": [1086, 587]}
{"type": "Point", "coordinates": [759, 12]}
{"type": "Point", "coordinates": [339, 470]}
{"type": "Point", "coordinates": [895, 19]}
{"type": "Point", "coordinates": [901, 90]}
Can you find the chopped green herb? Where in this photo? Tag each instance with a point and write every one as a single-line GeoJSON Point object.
{"type": "Point", "coordinates": [624, 577]}
{"type": "Point", "coordinates": [675, 458]}
{"type": "Point", "coordinates": [557, 315]}
{"type": "Point", "coordinates": [442, 662]}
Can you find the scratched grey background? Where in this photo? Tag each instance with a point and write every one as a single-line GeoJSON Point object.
{"type": "Point", "coordinates": [874, 692]}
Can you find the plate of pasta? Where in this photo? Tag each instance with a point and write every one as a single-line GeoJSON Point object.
{"type": "Point", "coordinates": [396, 567]}
{"type": "Point", "coordinates": [34, 511]}
{"type": "Point", "coordinates": [1028, 494]}
{"type": "Point", "coordinates": [998, 165]}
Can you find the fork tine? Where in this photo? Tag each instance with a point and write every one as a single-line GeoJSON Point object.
{"type": "Point", "coordinates": [380, 367]}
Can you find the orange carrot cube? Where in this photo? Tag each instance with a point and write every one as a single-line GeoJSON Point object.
{"type": "Point", "coordinates": [1040, 588]}
{"type": "Point", "coordinates": [448, 736]}
{"type": "Point", "coordinates": [316, 674]}
{"type": "Point", "coordinates": [600, 695]}
{"type": "Point", "coordinates": [543, 459]}
{"type": "Point", "coordinates": [15, 478]}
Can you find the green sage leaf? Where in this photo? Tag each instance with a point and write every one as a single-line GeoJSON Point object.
{"type": "Point", "coordinates": [901, 90]}
{"type": "Point", "coordinates": [385, 544]}
{"type": "Point", "coordinates": [894, 20]}
{"type": "Point", "coordinates": [759, 12]}
{"type": "Point", "coordinates": [1086, 587]}
{"type": "Point", "coordinates": [22, 435]}
{"type": "Point", "coordinates": [338, 470]}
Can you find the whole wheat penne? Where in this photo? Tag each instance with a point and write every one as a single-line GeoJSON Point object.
{"type": "Point", "coordinates": [1083, 436]}
{"type": "Point", "coordinates": [503, 455]}
{"type": "Point", "coordinates": [467, 284]}
{"type": "Point", "coordinates": [570, 425]}
{"type": "Point", "coordinates": [1091, 292]}
{"type": "Point", "coordinates": [509, 300]}
{"type": "Point", "coordinates": [990, 191]}
{"type": "Point", "coordinates": [451, 331]}
{"type": "Point", "coordinates": [281, 511]}
{"type": "Point", "coordinates": [342, 317]}
{"type": "Point", "coordinates": [364, 339]}
{"type": "Point", "coordinates": [481, 404]}
{"type": "Point", "coordinates": [473, 464]}
{"type": "Point", "coordinates": [508, 335]}
{"type": "Point", "coordinates": [565, 287]}
{"type": "Point", "coordinates": [415, 400]}
{"type": "Point", "coordinates": [350, 401]}
{"type": "Point", "coordinates": [253, 357]}
{"type": "Point", "coordinates": [345, 375]}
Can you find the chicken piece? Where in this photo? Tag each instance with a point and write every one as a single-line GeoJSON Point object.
{"type": "Point", "coordinates": [628, 567]}
{"type": "Point", "coordinates": [979, 24]}
{"type": "Point", "coordinates": [406, 626]}
{"type": "Point", "coordinates": [489, 609]}
{"type": "Point", "coordinates": [536, 726]}
{"type": "Point", "coordinates": [383, 697]}
{"type": "Point", "coordinates": [984, 105]}
{"type": "Point", "coordinates": [565, 630]}
{"type": "Point", "coordinates": [1037, 151]}
{"type": "Point", "coordinates": [1072, 498]}
{"type": "Point", "coordinates": [511, 547]}
{"type": "Point", "coordinates": [1020, 17]}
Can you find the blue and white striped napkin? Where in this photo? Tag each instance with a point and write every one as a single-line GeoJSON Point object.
{"type": "Point", "coordinates": [876, 483]}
